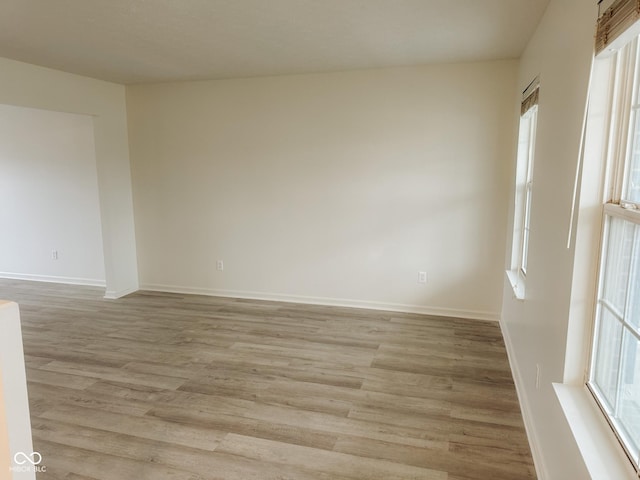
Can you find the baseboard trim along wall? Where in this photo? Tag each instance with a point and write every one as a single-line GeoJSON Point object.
{"type": "Point", "coordinates": [54, 279]}
{"type": "Point", "coordinates": [114, 295]}
{"type": "Point", "coordinates": [536, 452]}
{"type": "Point", "coordinates": [334, 302]}
{"type": "Point", "coordinates": [276, 297]}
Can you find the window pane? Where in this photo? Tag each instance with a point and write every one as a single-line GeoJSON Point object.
{"type": "Point", "coordinates": [630, 392]}
{"type": "Point", "coordinates": [633, 315]}
{"type": "Point", "coordinates": [523, 137]}
{"type": "Point", "coordinates": [631, 189]}
{"type": "Point", "coordinates": [608, 355]}
{"type": "Point", "coordinates": [525, 230]}
{"type": "Point", "coordinates": [617, 262]}
{"type": "Point", "coordinates": [533, 120]}
{"type": "Point", "coordinates": [525, 250]}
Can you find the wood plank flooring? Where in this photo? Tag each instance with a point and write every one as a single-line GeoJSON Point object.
{"type": "Point", "coordinates": [165, 386]}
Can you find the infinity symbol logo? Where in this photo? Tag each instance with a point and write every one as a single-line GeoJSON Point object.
{"type": "Point", "coordinates": [21, 458]}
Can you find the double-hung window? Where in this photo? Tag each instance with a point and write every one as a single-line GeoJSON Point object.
{"type": "Point", "coordinates": [524, 186]}
{"type": "Point", "coordinates": [614, 373]}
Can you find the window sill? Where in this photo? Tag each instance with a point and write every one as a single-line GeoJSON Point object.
{"type": "Point", "coordinates": [601, 452]}
{"type": "Point", "coordinates": [517, 284]}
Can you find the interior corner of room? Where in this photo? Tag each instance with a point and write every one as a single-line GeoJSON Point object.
{"type": "Point", "coordinates": [382, 188]}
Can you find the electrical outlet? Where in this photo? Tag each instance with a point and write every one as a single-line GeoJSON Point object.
{"type": "Point", "coordinates": [220, 265]}
{"type": "Point", "coordinates": [422, 277]}
{"type": "Point", "coordinates": [54, 255]}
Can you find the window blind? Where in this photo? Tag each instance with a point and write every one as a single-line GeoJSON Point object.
{"type": "Point", "coordinates": [530, 96]}
{"type": "Point", "coordinates": [615, 20]}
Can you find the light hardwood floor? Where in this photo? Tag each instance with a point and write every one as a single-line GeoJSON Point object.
{"type": "Point", "coordinates": [165, 386]}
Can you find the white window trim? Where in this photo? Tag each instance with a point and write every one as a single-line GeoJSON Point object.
{"type": "Point", "coordinates": [523, 200]}
{"type": "Point", "coordinates": [527, 195]}
{"type": "Point", "coordinates": [598, 445]}
{"type": "Point", "coordinates": [621, 141]}
{"type": "Point", "coordinates": [602, 453]}
{"type": "Point", "coordinates": [517, 284]}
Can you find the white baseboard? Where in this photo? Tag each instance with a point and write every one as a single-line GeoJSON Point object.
{"type": "Point", "coordinates": [334, 302]}
{"type": "Point", "coordinates": [53, 279]}
{"type": "Point", "coordinates": [114, 295]}
{"type": "Point", "coordinates": [527, 417]}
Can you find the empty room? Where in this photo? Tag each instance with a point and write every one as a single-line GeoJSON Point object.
{"type": "Point", "coordinates": [320, 239]}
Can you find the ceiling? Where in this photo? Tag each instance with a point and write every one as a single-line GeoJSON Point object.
{"type": "Point", "coordinates": [141, 41]}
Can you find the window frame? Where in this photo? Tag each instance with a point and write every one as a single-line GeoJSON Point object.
{"type": "Point", "coordinates": [523, 198]}
{"type": "Point", "coordinates": [625, 104]}
{"type": "Point", "coordinates": [525, 231]}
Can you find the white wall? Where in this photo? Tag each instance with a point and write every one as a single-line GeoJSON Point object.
{"type": "Point", "coordinates": [27, 85]}
{"type": "Point", "coordinates": [5, 451]}
{"type": "Point", "coordinates": [560, 52]}
{"type": "Point", "coordinates": [332, 188]}
{"type": "Point", "coordinates": [14, 403]}
{"type": "Point", "coordinates": [49, 197]}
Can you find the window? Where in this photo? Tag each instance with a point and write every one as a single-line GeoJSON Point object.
{"type": "Point", "coordinates": [526, 140]}
{"type": "Point", "coordinates": [614, 374]}
{"type": "Point", "coordinates": [524, 186]}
